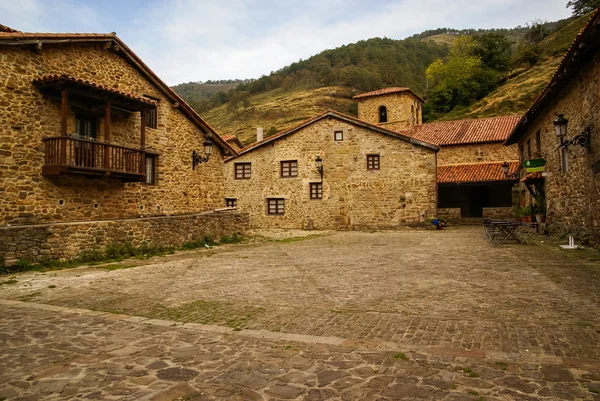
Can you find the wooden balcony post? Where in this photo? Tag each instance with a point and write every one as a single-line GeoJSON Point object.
{"type": "Point", "coordinates": [64, 107]}
{"type": "Point", "coordinates": [143, 143]}
{"type": "Point", "coordinates": [107, 137]}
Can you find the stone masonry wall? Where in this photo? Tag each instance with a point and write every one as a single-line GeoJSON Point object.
{"type": "Point", "coordinates": [27, 197]}
{"type": "Point", "coordinates": [498, 213]}
{"type": "Point", "coordinates": [402, 192]}
{"type": "Point", "coordinates": [573, 197]}
{"type": "Point", "coordinates": [451, 215]}
{"type": "Point", "coordinates": [399, 116]}
{"type": "Point", "coordinates": [36, 243]}
{"type": "Point", "coordinates": [477, 153]}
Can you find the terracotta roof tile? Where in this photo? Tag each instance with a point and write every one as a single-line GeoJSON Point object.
{"type": "Point", "coordinates": [460, 132]}
{"type": "Point", "coordinates": [480, 172]}
{"type": "Point", "coordinates": [6, 29]}
{"type": "Point", "coordinates": [387, 91]}
{"type": "Point", "coordinates": [536, 175]}
{"type": "Point", "coordinates": [565, 69]}
{"type": "Point", "coordinates": [65, 78]}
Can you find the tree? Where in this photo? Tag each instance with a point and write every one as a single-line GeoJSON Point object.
{"type": "Point", "coordinates": [581, 7]}
{"type": "Point", "coordinates": [494, 51]}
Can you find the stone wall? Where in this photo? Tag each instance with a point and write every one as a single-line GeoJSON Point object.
{"type": "Point", "coordinates": [572, 197]}
{"type": "Point", "coordinates": [27, 197]}
{"type": "Point", "coordinates": [477, 153]}
{"type": "Point", "coordinates": [402, 192]}
{"type": "Point", "coordinates": [399, 112]}
{"type": "Point", "coordinates": [451, 215]}
{"type": "Point", "coordinates": [499, 213]}
{"type": "Point", "coordinates": [36, 243]}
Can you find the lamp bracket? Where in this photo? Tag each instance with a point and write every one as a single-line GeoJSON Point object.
{"type": "Point", "coordinates": [198, 159]}
{"type": "Point", "coordinates": [583, 140]}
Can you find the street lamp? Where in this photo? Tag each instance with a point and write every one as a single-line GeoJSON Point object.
{"type": "Point", "coordinates": [319, 165]}
{"type": "Point", "coordinates": [512, 176]}
{"type": "Point", "coordinates": [197, 158]}
{"type": "Point", "coordinates": [583, 139]}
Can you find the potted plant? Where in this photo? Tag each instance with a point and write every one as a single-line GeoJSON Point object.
{"type": "Point", "coordinates": [438, 222]}
{"type": "Point", "coordinates": [540, 209]}
{"type": "Point", "coordinates": [524, 213]}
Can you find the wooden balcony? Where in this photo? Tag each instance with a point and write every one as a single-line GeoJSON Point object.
{"type": "Point", "coordinates": [72, 155]}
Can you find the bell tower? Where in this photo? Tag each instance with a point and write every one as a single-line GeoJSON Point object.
{"type": "Point", "coordinates": [395, 108]}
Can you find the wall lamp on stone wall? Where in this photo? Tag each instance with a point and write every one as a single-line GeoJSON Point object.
{"type": "Point", "coordinates": [513, 176]}
{"type": "Point", "coordinates": [319, 165]}
{"type": "Point", "coordinates": [197, 158]}
{"type": "Point", "coordinates": [583, 139]}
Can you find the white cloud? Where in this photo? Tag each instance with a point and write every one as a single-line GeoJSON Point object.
{"type": "Point", "coordinates": [190, 40]}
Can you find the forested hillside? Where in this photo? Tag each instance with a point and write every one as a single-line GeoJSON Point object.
{"type": "Point", "coordinates": [460, 73]}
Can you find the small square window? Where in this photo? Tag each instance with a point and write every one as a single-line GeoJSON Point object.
{"type": "Point", "coordinates": [242, 171]}
{"type": "Point", "coordinates": [231, 202]}
{"type": "Point", "coordinates": [151, 169]}
{"type": "Point", "coordinates": [151, 118]}
{"type": "Point", "coordinates": [289, 168]}
{"type": "Point", "coordinates": [275, 206]}
{"type": "Point", "coordinates": [372, 162]}
{"type": "Point", "coordinates": [316, 190]}
{"type": "Point", "coordinates": [338, 135]}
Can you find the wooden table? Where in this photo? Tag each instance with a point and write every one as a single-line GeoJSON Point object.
{"type": "Point", "coordinates": [500, 231]}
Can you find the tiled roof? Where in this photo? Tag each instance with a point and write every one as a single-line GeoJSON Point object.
{"type": "Point", "coordinates": [343, 117]}
{"type": "Point", "coordinates": [26, 38]}
{"type": "Point", "coordinates": [228, 137]}
{"type": "Point", "coordinates": [536, 175]}
{"type": "Point", "coordinates": [479, 172]}
{"type": "Point", "coordinates": [7, 29]}
{"type": "Point", "coordinates": [387, 91]}
{"type": "Point", "coordinates": [65, 78]}
{"type": "Point", "coordinates": [461, 132]}
{"type": "Point", "coordinates": [567, 67]}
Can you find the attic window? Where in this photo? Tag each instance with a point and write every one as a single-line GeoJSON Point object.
{"type": "Point", "coordinates": [382, 114]}
{"type": "Point", "coordinates": [338, 135]}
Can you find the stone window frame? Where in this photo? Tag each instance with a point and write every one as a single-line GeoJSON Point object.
{"type": "Point", "coordinates": [288, 168]}
{"type": "Point", "coordinates": [242, 171]}
{"type": "Point", "coordinates": [316, 190]}
{"type": "Point", "coordinates": [275, 206]}
{"type": "Point", "coordinates": [373, 162]}
{"type": "Point", "coordinates": [231, 202]}
{"type": "Point", "coordinates": [152, 164]}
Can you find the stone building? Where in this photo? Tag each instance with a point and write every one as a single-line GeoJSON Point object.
{"type": "Point", "coordinates": [568, 183]}
{"type": "Point", "coordinates": [372, 177]}
{"type": "Point", "coordinates": [471, 182]}
{"type": "Point", "coordinates": [88, 133]}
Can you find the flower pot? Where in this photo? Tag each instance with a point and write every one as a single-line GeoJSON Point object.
{"type": "Point", "coordinates": [527, 219]}
{"type": "Point", "coordinates": [540, 218]}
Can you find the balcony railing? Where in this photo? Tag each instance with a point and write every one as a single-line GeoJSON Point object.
{"type": "Point", "coordinates": [83, 156]}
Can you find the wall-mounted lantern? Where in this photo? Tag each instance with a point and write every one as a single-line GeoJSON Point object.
{"type": "Point", "coordinates": [583, 139]}
{"type": "Point", "coordinates": [513, 176]}
{"type": "Point", "coordinates": [319, 165]}
{"type": "Point", "coordinates": [197, 158]}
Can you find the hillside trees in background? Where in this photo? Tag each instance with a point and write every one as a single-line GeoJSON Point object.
{"type": "Point", "coordinates": [529, 51]}
{"type": "Point", "coordinates": [581, 7]}
{"type": "Point", "coordinates": [472, 69]}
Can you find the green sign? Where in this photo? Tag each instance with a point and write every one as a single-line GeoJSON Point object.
{"type": "Point", "coordinates": [534, 165]}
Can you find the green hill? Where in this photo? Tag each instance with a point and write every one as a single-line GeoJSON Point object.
{"type": "Point", "coordinates": [330, 79]}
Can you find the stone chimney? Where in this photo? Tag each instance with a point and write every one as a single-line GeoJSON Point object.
{"type": "Point", "coordinates": [259, 134]}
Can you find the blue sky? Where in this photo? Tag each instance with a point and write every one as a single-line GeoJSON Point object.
{"type": "Point", "coordinates": [196, 40]}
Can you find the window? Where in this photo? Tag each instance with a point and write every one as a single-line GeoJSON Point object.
{"type": "Point", "coordinates": [151, 118]}
{"type": "Point", "coordinates": [382, 114]}
{"type": "Point", "coordinates": [564, 160]}
{"type": "Point", "coordinates": [242, 171]}
{"type": "Point", "coordinates": [289, 168]}
{"type": "Point", "coordinates": [275, 206]}
{"type": "Point", "coordinates": [412, 114]}
{"type": "Point", "coordinates": [372, 162]}
{"type": "Point", "coordinates": [85, 127]}
{"type": "Point", "coordinates": [538, 143]}
{"type": "Point", "coordinates": [151, 169]}
{"type": "Point", "coordinates": [529, 149]}
{"type": "Point", "coordinates": [338, 135]}
{"type": "Point", "coordinates": [230, 202]}
{"type": "Point", "coordinates": [316, 190]}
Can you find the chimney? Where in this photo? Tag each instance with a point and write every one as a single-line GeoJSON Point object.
{"type": "Point", "coordinates": [259, 134]}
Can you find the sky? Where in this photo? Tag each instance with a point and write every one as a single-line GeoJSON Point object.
{"type": "Point", "coordinates": [198, 40]}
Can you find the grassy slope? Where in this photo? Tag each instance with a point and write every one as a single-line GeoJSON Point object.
{"type": "Point", "coordinates": [277, 108]}
{"type": "Point", "coordinates": [281, 109]}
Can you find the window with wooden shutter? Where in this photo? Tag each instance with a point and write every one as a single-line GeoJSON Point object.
{"type": "Point", "coordinates": [316, 190]}
{"type": "Point", "coordinates": [289, 168]}
{"type": "Point", "coordinates": [151, 118]}
{"type": "Point", "coordinates": [242, 171]}
{"type": "Point", "coordinates": [275, 206]}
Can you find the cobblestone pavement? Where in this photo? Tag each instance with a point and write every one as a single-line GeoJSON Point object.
{"type": "Point", "coordinates": [447, 299]}
{"type": "Point", "coordinates": [56, 353]}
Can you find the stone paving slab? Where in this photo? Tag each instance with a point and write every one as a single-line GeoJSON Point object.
{"type": "Point", "coordinates": [65, 354]}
